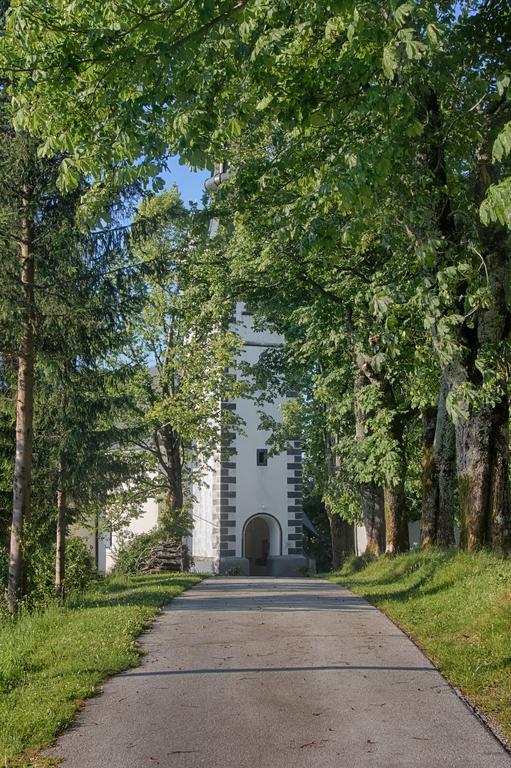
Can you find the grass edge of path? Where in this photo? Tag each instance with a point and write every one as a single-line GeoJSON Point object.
{"type": "Point", "coordinates": [54, 659]}
{"type": "Point", "coordinates": [456, 608]}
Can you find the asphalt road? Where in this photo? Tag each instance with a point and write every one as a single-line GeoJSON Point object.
{"type": "Point", "coordinates": [278, 673]}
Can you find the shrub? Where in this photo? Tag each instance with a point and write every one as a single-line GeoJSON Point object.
{"type": "Point", "coordinates": [131, 555]}
{"type": "Point", "coordinates": [80, 566]}
{"type": "Point", "coordinates": [79, 570]}
{"type": "Point", "coordinates": [40, 574]}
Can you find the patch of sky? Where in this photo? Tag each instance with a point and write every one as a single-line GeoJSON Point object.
{"type": "Point", "coordinates": [189, 182]}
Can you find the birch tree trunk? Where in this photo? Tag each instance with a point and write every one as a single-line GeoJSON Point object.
{"type": "Point", "coordinates": [24, 410]}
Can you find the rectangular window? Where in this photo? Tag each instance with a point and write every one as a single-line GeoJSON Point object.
{"type": "Point", "coordinates": [262, 457]}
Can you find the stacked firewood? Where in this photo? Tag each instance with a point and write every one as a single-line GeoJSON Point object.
{"type": "Point", "coordinates": [166, 557]}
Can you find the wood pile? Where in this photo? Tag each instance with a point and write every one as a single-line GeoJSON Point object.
{"type": "Point", "coordinates": [166, 557]}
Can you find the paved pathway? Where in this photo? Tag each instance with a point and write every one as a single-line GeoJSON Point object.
{"type": "Point", "coordinates": [278, 673]}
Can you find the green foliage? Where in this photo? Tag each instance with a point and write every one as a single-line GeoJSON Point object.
{"type": "Point", "coordinates": [184, 359]}
{"type": "Point", "coordinates": [133, 551]}
{"type": "Point", "coordinates": [319, 546]}
{"type": "Point", "coordinates": [497, 205]}
{"type": "Point", "coordinates": [365, 216]}
{"type": "Point", "coordinates": [79, 570]}
{"type": "Point", "coordinates": [175, 523]}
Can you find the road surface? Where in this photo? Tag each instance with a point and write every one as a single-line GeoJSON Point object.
{"type": "Point", "coordinates": [277, 673]}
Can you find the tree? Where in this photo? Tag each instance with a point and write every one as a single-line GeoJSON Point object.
{"type": "Point", "coordinates": [186, 355]}
{"type": "Point", "coordinates": [62, 305]}
{"type": "Point", "coordinates": [376, 134]}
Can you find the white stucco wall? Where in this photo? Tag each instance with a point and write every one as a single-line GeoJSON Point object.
{"type": "Point", "coordinates": [259, 490]}
{"type": "Point", "coordinates": [142, 524]}
{"type": "Point", "coordinates": [205, 534]}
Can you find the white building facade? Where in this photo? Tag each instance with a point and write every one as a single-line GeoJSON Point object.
{"type": "Point", "coordinates": [248, 510]}
{"type": "Point", "coordinates": [248, 506]}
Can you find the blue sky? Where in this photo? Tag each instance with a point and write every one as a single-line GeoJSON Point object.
{"type": "Point", "coordinates": [190, 183]}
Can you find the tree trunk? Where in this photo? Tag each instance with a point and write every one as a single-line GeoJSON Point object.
{"type": "Point", "coordinates": [342, 536]}
{"type": "Point", "coordinates": [96, 542]}
{"type": "Point", "coordinates": [482, 436]}
{"type": "Point", "coordinates": [481, 439]}
{"type": "Point", "coordinates": [172, 446]}
{"type": "Point", "coordinates": [499, 512]}
{"type": "Point", "coordinates": [60, 551]}
{"type": "Point", "coordinates": [438, 462]}
{"type": "Point", "coordinates": [429, 516]}
{"type": "Point", "coordinates": [397, 538]}
{"type": "Point", "coordinates": [373, 516]}
{"type": "Point", "coordinates": [24, 412]}
{"type": "Point", "coordinates": [396, 523]}
{"type": "Point", "coordinates": [444, 452]}
{"type": "Point", "coordinates": [482, 443]}
{"type": "Point", "coordinates": [396, 518]}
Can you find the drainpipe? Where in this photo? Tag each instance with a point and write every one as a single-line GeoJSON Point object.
{"type": "Point", "coordinates": [220, 176]}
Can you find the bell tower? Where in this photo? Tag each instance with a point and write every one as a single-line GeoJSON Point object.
{"type": "Point", "coordinates": [248, 511]}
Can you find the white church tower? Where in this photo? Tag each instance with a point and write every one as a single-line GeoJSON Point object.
{"type": "Point", "coordinates": [247, 512]}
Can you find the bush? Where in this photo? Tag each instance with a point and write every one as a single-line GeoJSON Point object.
{"type": "Point", "coordinates": [131, 555]}
{"type": "Point", "coordinates": [40, 574]}
{"type": "Point", "coordinates": [79, 571]}
{"type": "Point", "coordinates": [80, 565]}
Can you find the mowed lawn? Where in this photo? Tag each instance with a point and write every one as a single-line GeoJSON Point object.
{"type": "Point", "coordinates": [52, 659]}
{"type": "Point", "coordinates": [457, 606]}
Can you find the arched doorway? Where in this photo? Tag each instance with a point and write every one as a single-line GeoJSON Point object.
{"type": "Point", "coordinates": [262, 539]}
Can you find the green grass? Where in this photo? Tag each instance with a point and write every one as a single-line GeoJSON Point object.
{"type": "Point", "coordinates": [457, 606]}
{"type": "Point", "coordinates": [53, 659]}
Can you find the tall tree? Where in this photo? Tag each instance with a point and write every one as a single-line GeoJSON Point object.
{"type": "Point", "coordinates": [187, 356]}
{"type": "Point", "coordinates": [61, 297]}
{"type": "Point", "coordinates": [377, 128]}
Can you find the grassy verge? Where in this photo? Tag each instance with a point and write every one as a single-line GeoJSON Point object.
{"type": "Point", "coordinates": [53, 659]}
{"type": "Point", "coordinates": [457, 606]}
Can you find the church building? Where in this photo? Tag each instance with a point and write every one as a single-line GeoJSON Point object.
{"type": "Point", "coordinates": [247, 509]}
